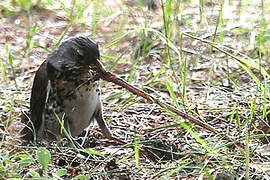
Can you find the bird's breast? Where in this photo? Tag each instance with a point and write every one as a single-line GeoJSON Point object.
{"type": "Point", "coordinates": [81, 108]}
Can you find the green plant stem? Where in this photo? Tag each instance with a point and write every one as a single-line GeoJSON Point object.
{"type": "Point", "coordinates": [166, 20]}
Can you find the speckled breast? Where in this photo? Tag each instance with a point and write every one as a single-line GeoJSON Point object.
{"type": "Point", "coordinates": [71, 103]}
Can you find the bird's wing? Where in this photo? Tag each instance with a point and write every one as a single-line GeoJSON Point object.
{"type": "Point", "coordinates": [38, 99]}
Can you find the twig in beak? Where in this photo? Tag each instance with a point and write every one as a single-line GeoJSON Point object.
{"type": "Point", "coordinates": [111, 77]}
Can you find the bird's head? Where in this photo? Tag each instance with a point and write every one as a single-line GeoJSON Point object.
{"type": "Point", "coordinates": [74, 56]}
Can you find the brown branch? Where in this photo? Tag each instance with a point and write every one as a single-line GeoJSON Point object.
{"type": "Point", "coordinates": [111, 77]}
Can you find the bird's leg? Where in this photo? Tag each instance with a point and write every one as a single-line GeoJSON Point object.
{"type": "Point", "coordinates": [101, 122]}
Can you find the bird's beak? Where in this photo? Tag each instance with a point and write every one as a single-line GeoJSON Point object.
{"type": "Point", "coordinates": [100, 66]}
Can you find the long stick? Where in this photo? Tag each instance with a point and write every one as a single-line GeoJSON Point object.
{"type": "Point", "coordinates": [111, 77]}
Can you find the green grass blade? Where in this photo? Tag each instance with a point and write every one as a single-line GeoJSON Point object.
{"type": "Point", "coordinates": [182, 165]}
{"type": "Point", "coordinates": [91, 151]}
{"type": "Point", "coordinates": [184, 125]}
{"type": "Point", "coordinates": [137, 152]}
{"type": "Point", "coordinates": [3, 69]}
{"type": "Point", "coordinates": [125, 158]}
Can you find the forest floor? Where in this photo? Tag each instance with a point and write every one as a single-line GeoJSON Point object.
{"type": "Point", "coordinates": [214, 66]}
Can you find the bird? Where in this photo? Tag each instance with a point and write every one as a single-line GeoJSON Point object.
{"type": "Point", "coordinates": [63, 94]}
